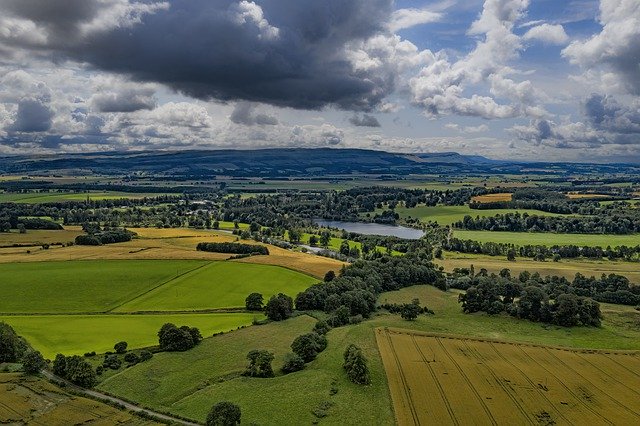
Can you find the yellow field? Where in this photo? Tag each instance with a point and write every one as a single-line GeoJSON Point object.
{"type": "Point", "coordinates": [563, 268]}
{"type": "Point", "coordinates": [38, 237]}
{"type": "Point", "coordinates": [489, 198]}
{"type": "Point", "coordinates": [165, 244]}
{"type": "Point", "coordinates": [444, 379]}
{"type": "Point", "coordinates": [29, 400]}
{"type": "Point", "coordinates": [577, 196]}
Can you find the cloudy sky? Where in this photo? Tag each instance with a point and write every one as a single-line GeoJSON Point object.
{"type": "Point", "coordinates": [513, 79]}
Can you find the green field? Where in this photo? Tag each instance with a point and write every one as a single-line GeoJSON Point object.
{"type": "Point", "coordinates": [189, 383]}
{"type": "Point", "coordinates": [82, 285]}
{"type": "Point", "coordinates": [53, 197]}
{"type": "Point", "coordinates": [77, 334]}
{"type": "Point", "coordinates": [447, 215]}
{"type": "Point", "coordinates": [547, 238]}
{"type": "Point", "coordinates": [220, 285]}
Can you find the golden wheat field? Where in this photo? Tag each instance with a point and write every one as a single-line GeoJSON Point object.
{"type": "Point", "coordinates": [33, 401]}
{"type": "Point", "coordinates": [490, 198]}
{"type": "Point", "coordinates": [443, 379]}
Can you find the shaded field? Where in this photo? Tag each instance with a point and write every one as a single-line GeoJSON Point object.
{"type": "Point", "coordinates": [451, 380]}
{"type": "Point", "coordinates": [169, 244]}
{"type": "Point", "coordinates": [564, 268]}
{"type": "Point", "coordinates": [82, 286]}
{"type": "Point", "coordinates": [548, 238]}
{"type": "Point", "coordinates": [53, 197]}
{"type": "Point", "coordinates": [490, 198]}
{"type": "Point", "coordinates": [447, 215]}
{"type": "Point", "coordinates": [31, 400]}
{"type": "Point", "coordinates": [78, 334]}
{"type": "Point", "coordinates": [220, 285]}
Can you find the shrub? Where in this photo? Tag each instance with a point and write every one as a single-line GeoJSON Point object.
{"type": "Point", "coordinates": [224, 414]}
{"type": "Point", "coordinates": [259, 364]}
{"type": "Point", "coordinates": [33, 362]}
{"type": "Point", "coordinates": [308, 346]}
{"type": "Point", "coordinates": [131, 358]}
{"type": "Point", "coordinates": [120, 347]}
{"type": "Point", "coordinates": [355, 364]}
{"type": "Point", "coordinates": [292, 362]}
{"type": "Point", "coordinates": [321, 327]}
{"type": "Point", "coordinates": [112, 362]}
{"type": "Point", "coordinates": [145, 355]}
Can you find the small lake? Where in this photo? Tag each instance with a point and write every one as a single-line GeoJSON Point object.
{"type": "Point", "coordinates": [372, 229]}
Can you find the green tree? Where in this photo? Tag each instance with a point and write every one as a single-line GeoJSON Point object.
{"type": "Point", "coordinates": [12, 347]}
{"type": "Point", "coordinates": [313, 241]}
{"type": "Point", "coordinates": [410, 311]}
{"type": "Point", "coordinates": [355, 364]}
{"type": "Point", "coordinates": [308, 346]}
{"type": "Point", "coordinates": [329, 276]}
{"type": "Point", "coordinates": [224, 414]}
{"type": "Point", "coordinates": [120, 347]}
{"type": "Point", "coordinates": [259, 364]}
{"type": "Point", "coordinates": [33, 362]}
{"type": "Point", "coordinates": [292, 362]}
{"type": "Point", "coordinates": [325, 238]}
{"type": "Point", "coordinates": [83, 375]}
{"type": "Point", "coordinates": [60, 365]}
{"type": "Point", "coordinates": [254, 302]}
{"type": "Point", "coordinates": [172, 338]}
{"type": "Point", "coordinates": [279, 307]}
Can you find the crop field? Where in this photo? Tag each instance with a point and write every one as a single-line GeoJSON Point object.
{"type": "Point", "coordinates": [83, 286]}
{"type": "Point", "coordinates": [490, 198]}
{"type": "Point", "coordinates": [548, 238]}
{"type": "Point", "coordinates": [38, 237]}
{"type": "Point", "coordinates": [30, 400]}
{"type": "Point", "coordinates": [451, 380]}
{"type": "Point", "coordinates": [447, 215]}
{"type": "Point", "coordinates": [77, 334]}
{"type": "Point", "coordinates": [54, 197]}
{"type": "Point", "coordinates": [219, 285]}
{"type": "Point", "coordinates": [565, 268]}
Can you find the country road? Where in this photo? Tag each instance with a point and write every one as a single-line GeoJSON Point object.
{"type": "Point", "coordinates": [93, 394]}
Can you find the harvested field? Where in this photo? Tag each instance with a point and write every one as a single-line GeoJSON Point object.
{"type": "Point", "coordinates": [575, 196]}
{"type": "Point", "coordinates": [446, 379]}
{"type": "Point", "coordinates": [490, 198]}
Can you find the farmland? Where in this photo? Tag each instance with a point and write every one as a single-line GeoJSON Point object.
{"type": "Point", "coordinates": [448, 215]}
{"type": "Point", "coordinates": [35, 401]}
{"type": "Point", "coordinates": [549, 239]}
{"type": "Point", "coordinates": [56, 197]}
{"type": "Point", "coordinates": [462, 381]}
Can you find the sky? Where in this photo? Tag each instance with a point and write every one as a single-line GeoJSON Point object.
{"type": "Point", "coordinates": [542, 80]}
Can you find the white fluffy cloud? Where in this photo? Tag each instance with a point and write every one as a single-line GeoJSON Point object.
{"type": "Point", "coordinates": [547, 33]}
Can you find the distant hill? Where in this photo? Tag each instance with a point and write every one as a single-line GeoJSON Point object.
{"type": "Point", "coordinates": [269, 163]}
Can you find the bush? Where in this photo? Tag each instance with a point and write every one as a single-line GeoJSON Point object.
{"type": "Point", "coordinates": [292, 362]}
{"type": "Point", "coordinates": [308, 346]}
{"type": "Point", "coordinates": [355, 364]}
{"type": "Point", "coordinates": [32, 362]}
{"type": "Point", "coordinates": [279, 307]}
{"type": "Point", "coordinates": [120, 347]}
{"type": "Point", "coordinates": [259, 364]}
{"type": "Point", "coordinates": [321, 327]}
{"type": "Point", "coordinates": [224, 414]}
{"type": "Point", "coordinates": [145, 355]}
{"type": "Point", "coordinates": [131, 358]}
{"type": "Point", "coordinates": [112, 362]}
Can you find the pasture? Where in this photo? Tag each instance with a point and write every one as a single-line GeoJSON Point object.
{"type": "Point", "coordinates": [219, 285]}
{"type": "Point", "coordinates": [448, 215]}
{"type": "Point", "coordinates": [444, 379]}
{"type": "Point", "coordinates": [78, 334]}
{"type": "Point", "coordinates": [58, 197]}
{"type": "Point", "coordinates": [31, 400]}
{"type": "Point", "coordinates": [548, 238]}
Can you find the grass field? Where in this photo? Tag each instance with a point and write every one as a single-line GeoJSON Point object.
{"type": "Point", "coordinates": [549, 239]}
{"type": "Point", "coordinates": [220, 285]}
{"type": "Point", "coordinates": [34, 401]}
{"type": "Point", "coordinates": [563, 268]}
{"type": "Point", "coordinates": [38, 237]}
{"type": "Point", "coordinates": [447, 215]}
{"type": "Point", "coordinates": [490, 198]}
{"type": "Point", "coordinates": [82, 286]}
{"type": "Point", "coordinates": [437, 379]}
{"type": "Point", "coordinates": [77, 334]}
{"type": "Point", "coordinates": [54, 197]}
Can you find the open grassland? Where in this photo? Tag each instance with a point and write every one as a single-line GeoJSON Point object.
{"type": "Point", "coordinates": [39, 237]}
{"type": "Point", "coordinates": [188, 383]}
{"type": "Point", "coordinates": [164, 244]}
{"type": "Point", "coordinates": [78, 334]}
{"type": "Point", "coordinates": [441, 379]}
{"type": "Point", "coordinates": [490, 198]}
{"type": "Point", "coordinates": [34, 401]}
{"type": "Point", "coordinates": [447, 215]}
{"type": "Point", "coordinates": [219, 285]}
{"type": "Point", "coordinates": [548, 238]}
{"type": "Point", "coordinates": [83, 286]}
{"type": "Point", "coordinates": [565, 268]}
{"type": "Point", "coordinates": [57, 197]}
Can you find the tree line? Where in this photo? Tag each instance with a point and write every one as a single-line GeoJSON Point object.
{"type": "Point", "coordinates": [235, 248]}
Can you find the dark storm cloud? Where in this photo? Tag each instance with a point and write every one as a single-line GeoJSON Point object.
{"type": "Point", "coordinates": [34, 115]}
{"type": "Point", "coordinates": [288, 54]}
{"type": "Point", "coordinates": [126, 101]}
{"type": "Point", "coordinates": [365, 120]}
{"type": "Point", "coordinates": [605, 113]}
{"type": "Point", "coordinates": [244, 113]}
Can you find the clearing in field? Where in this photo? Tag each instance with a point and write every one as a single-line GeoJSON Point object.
{"type": "Point", "coordinates": [220, 285]}
{"type": "Point", "coordinates": [491, 198]}
{"type": "Point", "coordinates": [30, 400]}
{"type": "Point", "coordinates": [444, 379]}
{"type": "Point", "coordinates": [548, 238]}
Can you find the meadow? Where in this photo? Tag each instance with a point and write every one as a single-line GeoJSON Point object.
{"type": "Point", "coordinates": [57, 197]}
{"type": "Point", "coordinates": [548, 238]}
{"type": "Point", "coordinates": [448, 215]}
{"type": "Point", "coordinates": [32, 400]}
{"type": "Point", "coordinates": [219, 285]}
{"type": "Point", "coordinates": [478, 381]}
{"type": "Point", "coordinates": [78, 334]}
